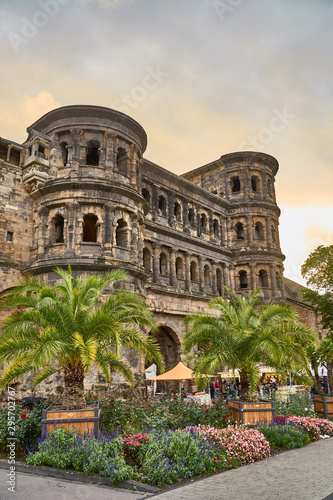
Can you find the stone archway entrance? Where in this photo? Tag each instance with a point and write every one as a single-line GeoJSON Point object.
{"type": "Point", "coordinates": [170, 348]}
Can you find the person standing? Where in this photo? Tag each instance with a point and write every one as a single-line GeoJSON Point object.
{"type": "Point", "coordinates": [217, 388]}
{"type": "Point", "coordinates": [232, 390]}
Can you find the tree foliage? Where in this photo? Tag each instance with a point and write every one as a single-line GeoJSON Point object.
{"type": "Point", "coordinates": [69, 327]}
{"type": "Point", "coordinates": [246, 333]}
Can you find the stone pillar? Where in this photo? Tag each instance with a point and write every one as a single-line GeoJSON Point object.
{"type": "Point", "coordinates": [43, 213]}
{"type": "Point", "coordinates": [73, 223]}
{"type": "Point", "coordinates": [77, 135]}
{"type": "Point", "coordinates": [268, 233]}
{"type": "Point", "coordinates": [140, 242]}
{"type": "Point", "coordinates": [109, 157]}
{"type": "Point", "coordinates": [201, 275]}
{"type": "Point", "coordinates": [246, 183]}
{"type": "Point", "coordinates": [155, 203]}
{"type": "Point", "coordinates": [253, 278]}
{"type": "Point", "coordinates": [107, 232]}
{"type": "Point", "coordinates": [224, 232]}
{"type": "Point", "coordinates": [232, 279]}
{"type": "Point", "coordinates": [273, 280]}
{"type": "Point", "coordinates": [132, 164]}
{"type": "Point", "coordinates": [170, 209]}
{"type": "Point", "coordinates": [199, 231]}
{"type": "Point", "coordinates": [188, 271]}
{"type": "Point", "coordinates": [156, 262]}
{"type": "Point", "coordinates": [173, 277]}
{"type": "Point", "coordinates": [185, 217]}
{"type": "Point", "coordinates": [134, 242]}
{"type": "Point", "coordinates": [249, 230]}
{"type": "Point", "coordinates": [211, 227]}
{"type": "Point", "coordinates": [214, 284]}
{"type": "Point", "coordinates": [226, 278]}
{"type": "Point", "coordinates": [9, 148]}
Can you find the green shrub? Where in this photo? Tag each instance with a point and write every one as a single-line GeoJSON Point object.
{"type": "Point", "coordinates": [138, 415]}
{"type": "Point", "coordinates": [300, 405]}
{"type": "Point", "coordinates": [65, 449]}
{"type": "Point", "coordinates": [173, 455]}
{"type": "Point", "coordinates": [285, 437]}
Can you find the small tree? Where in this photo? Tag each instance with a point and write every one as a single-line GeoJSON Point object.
{"type": "Point", "coordinates": [69, 327]}
{"type": "Point", "coordinates": [244, 334]}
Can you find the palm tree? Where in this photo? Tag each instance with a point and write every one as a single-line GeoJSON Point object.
{"type": "Point", "coordinates": [244, 334]}
{"type": "Point", "coordinates": [69, 327]}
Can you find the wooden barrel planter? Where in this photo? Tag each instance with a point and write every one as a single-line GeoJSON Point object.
{"type": "Point", "coordinates": [85, 420]}
{"type": "Point", "coordinates": [252, 413]}
{"type": "Point", "coordinates": [323, 406]}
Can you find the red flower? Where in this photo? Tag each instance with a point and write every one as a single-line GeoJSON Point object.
{"type": "Point", "coordinates": [23, 416]}
{"type": "Point", "coordinates": [120, 453]}
{"type": "Point", "coordinates": [224, 417]}
{"type": "Point", "coordinates": [206, 411]}
{"type": "Point", "coordinates": [27, 407]}
{"type": "Point", "coordinates": [112, 400]}
{"type": "Point", "coordinates": [213, 403]}
{"type": "Point", "coordinates": [3, 405]}
{"type": "Point", "coordinates": [199, 406]}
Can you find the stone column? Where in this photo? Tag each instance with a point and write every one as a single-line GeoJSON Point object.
{"type": "Point", "coordinates": [249, 230]}
{"type": "Point", "coordinates": [211, 227]}
{"type": "Point", "coordinates": [77, 135]}
{"type": "Point", "coordinates": [188, 271]}
{"type": "Point", "coordinates": [134, 242]}
{"type": "Point", "coordinates": [107, 232]}
{"type": "Point", "coordinates": [273, 280]}
{"type": "Point", "coordinates": [155, 203]}
{"type": "Point", "coordinates": [232, 279]}
{"type": "Point", "coordinates": [199, 231]}
{"type": "Point", "coordinates": [201, 275]}
{"type": "Point", "coordinates": [156, 262]}
{"type": "Point", "coordinates": [9, 148]}
{"type": "Point", "coordinates": [226, 278]}
{"type": "Point", "coordinates": [173, 277]}
{"type": "Point", "coordinates": [185, 217]}
{"type": "Point", "coordinates": [268, 233]}
{"type": "Point", "coordinates": [224, 232]}
{"type": "Point", "coordinates": [170, 209]}
{"type": "Point", "coordinates": [109, 154]}
{"type": "Point", "coordinates": [253, 278]}
{"type": "Point", "coordinates": [73, 222]}
{"type": "Point", "coordinates": [214, 284]}
{"type": "Point", "coordinates": [43, 213]}
{"type": "Point", "coordinates": [132, 164]}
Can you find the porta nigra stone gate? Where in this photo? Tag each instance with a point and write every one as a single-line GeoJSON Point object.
{"type": "Point", "coordinates": [79, 192]}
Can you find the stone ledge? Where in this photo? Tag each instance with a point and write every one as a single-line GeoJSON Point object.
{"type": "Point", "coordinates": [72, 475]}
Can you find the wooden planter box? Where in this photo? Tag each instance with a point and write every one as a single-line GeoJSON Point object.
{"type": "Point", "coordinates": [252, 413]}
{"type": "Point", "coordinates": [323, 406]}
{"type": "Point", "coordinates": [86, 420]}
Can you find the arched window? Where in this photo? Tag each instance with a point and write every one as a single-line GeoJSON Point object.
{"type": "Point", "coordinates": [122, 161]}
{"type": "Point", "coordinates": [194, 271]}
{"type": "Point", "coordinates": [263, 278]}
{"type": "Point", "coordinates": [162, 206]}
{"type": "Point", "coordinates": [219, 281]}
{"type": "Point", "coordinates": [259, 231]}
{"type": "Point", "coordinates": [207, 278]}
{"type": "Point", "coordinates": [92, 157]}
{"type": "Point", "coordinates": [163, 264]}
{"type": "Point", "coordinates": [177, 211]}
{"type": "Point", "coordinates": [235, 184]}
{"type": "Point", "coordinates": [240, 231]}
{"type": "Point", "coordinates": [90, 228]}
{"type": "Point", "coordinates": [255, 183]}
{"type": "Point", "coordinates": [203, 222]}
{"type": "Point", "coordinates": [216, 227]}
{"type": "Point", "coordinates": [191, 219]}
{"type": "Point", "coordinates": [278, 280]}
{"type": "Point", "coordinates": [122, 233]}
{"type": "Point", "coordinates": [243, 281]}
{"type": "Point", "coordinates": [146, 260]}
{"type": "Point", "coordinates": [58, 222]}
{"type": "Point", "coordinates": [273, 233]}
{"type": "Point", "coordinates": [63, 146]}
{"type": "Point", "coordinates": [179, 268]}
{"type": "Point", "coordinates": [146, 195]}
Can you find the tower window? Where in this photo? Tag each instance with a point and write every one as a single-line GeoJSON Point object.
{"type": "Point", "coordinates": [9, 236]}
{"type": "Point", "coordinates": [216, 227]}
{"type": "Point", "coordinates": [219, 281]}
{"type": "Point", "coordinates": [243, 281]}
{"type": "Point", "coordinates": [259, 231]}
{"type": "Point", "coordinates": [194, 271]}
{"type": "Point", "coordinates": [235, 185]}
{"type": "Point", "coordinates": [203, 222]}
{"type": "Point", "coordinates": [263, 278]}
{"type": "Point", "coordinates": [207, 275]}
{"type": "Point", "coordinates": [191, 216]}
{"type": "Point", "coordinates": [64, 152]}
{"type": "Point", "coordinates": [240, 231]}
{"type": "Point", "coordinates": [162, 206]}
{"type": "Point", "coordinates": [179, 268]}
{"type": "Point", "coordinates": [146, 195]}
{"type": "Point", "coordinates": [146, 259]}
{"type": "Point", "coordinates": [59, 229]}
{"type": "Point", "coordinates": [122, 161]}
{"type": "Point", "coordinates": [255, 183]}
{"type": "Point", "coordinates": [163, 264]}
{"type": "Point", "coordinates": [177, 211]}
{"type": "Point", "coordinates": [90, 228]}
{"type": "Point", "coordinates": [92, 157]}
{"type": "Point", "coordinates": [122, 234]}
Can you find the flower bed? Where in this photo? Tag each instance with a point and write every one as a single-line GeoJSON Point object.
{"type": "Point", "coordinates": [245, 445]}
{"type": "Point", "coordinates": [315, 427]}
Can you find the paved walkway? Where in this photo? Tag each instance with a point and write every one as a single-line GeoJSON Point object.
{"type": "Point", "coordinates": [302, 474]}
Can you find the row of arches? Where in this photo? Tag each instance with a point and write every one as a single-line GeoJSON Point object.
{"type": "Point", "coordinates": [93, 155]}
{"type": "Point", "coordinates": [192, 217]}
{"type": "Point", "coordinates": [254, 184]}
{"type": "Point", "coordinates": [90, 230]}
{"type": "Point", "coordinates": [259, 231]}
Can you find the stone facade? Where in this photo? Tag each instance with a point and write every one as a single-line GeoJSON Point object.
{"type": "Point", "coordinates": [79, 192]}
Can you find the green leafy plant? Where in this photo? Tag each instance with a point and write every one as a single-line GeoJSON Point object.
{"type": "Point", "coordinates": [285, 437]}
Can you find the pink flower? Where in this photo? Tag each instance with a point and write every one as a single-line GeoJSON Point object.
{"type": "Point", "coordinates": [138, 444]}
{"type": "Point", "coordinates": [121, 453]}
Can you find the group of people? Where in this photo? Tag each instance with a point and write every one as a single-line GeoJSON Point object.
{"type": "Point", "coordinates": [224, 390]}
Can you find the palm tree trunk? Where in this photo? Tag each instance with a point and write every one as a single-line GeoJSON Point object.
{"type": "Point", "coordinates": [245, 386]}
{"type": "Point", "coordinates": [316, 381]}
{"type": "Point", "coordinates": [329, 366]}
{"type": "Point", "coordinates": [73, 396]}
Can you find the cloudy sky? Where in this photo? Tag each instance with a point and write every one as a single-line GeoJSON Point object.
{"type": "Point", "coordinates": [203, 77]}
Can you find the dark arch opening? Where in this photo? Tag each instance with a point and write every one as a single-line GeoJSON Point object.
{"type": "Point", "coordinates": [92, 157]}
{"type": "Point", "coordinates": [243, 281]}
{"type": "Point", "coordinates": [90, 228]}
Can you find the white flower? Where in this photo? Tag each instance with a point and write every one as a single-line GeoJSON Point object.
{"type": "Point", "coordinates": [305, 409]}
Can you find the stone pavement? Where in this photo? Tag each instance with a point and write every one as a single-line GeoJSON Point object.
{"type": "Point", "coordinates": [301, 474]}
